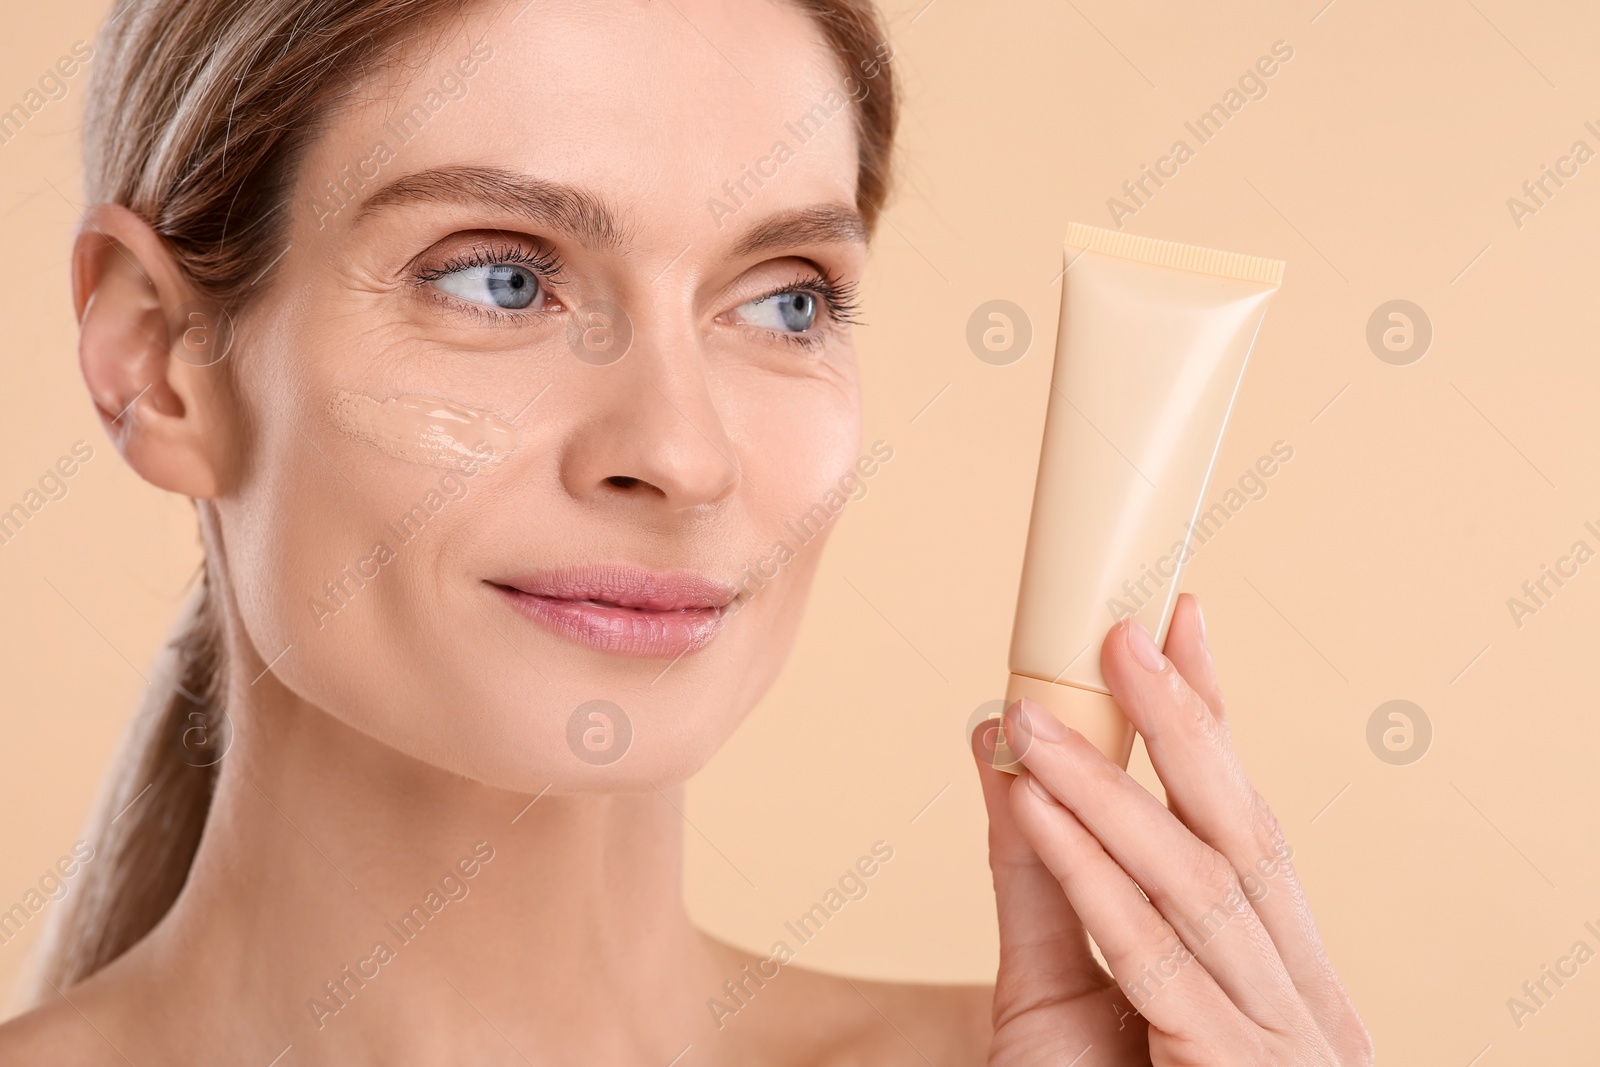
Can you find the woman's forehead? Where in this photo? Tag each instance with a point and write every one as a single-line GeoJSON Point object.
{"type": "Point", "coordinates": [680, 105]}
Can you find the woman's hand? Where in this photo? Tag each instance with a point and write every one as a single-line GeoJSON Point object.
{"type": "Point", "coordinates": [1215, 957]}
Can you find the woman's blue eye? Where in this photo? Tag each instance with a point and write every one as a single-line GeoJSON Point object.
{"type": "Point", "coordinates": [498, 285]}
{"type": "Point", "coordinates": [791, 312]}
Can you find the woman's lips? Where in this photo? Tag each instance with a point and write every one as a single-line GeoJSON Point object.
{"type": "Point", "coordinates": [623, 610]}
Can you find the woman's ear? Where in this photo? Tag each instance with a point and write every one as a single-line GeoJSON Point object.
{"type": "Point", "coordinates": [151, 350]}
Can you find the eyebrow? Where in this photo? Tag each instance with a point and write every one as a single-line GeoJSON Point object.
{"type": "Point", "coordinates": [578, 212]}
{"type": "Point", "coordinates": [823, 224]}
{"type": "Point", "coordinates": [545, 203]}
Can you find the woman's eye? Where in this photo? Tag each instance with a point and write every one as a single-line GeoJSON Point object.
{"type": "Point", "coordinates": [497, 285]}
{"type": "Point", "coordinates": [790, 312]}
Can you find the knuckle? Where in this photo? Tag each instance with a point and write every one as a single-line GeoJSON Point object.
{"type": "Point", "coordinates": [1219, 704]}
{"type": "Point", "coordinates": [1262, 848]}
{"type": "Point", "coordinates": [1184, 716]}
{"type": "Point", "coordinates": [1352, 1043]}
{"type": "Point", "coordinates": [1268, 832]}
{"type": "Point", "coordinates": [1154, 932]}
{"type": "Point", "coordinates": [1197, 717]}
{"type": "Point", "coordinates": [1217, 879]}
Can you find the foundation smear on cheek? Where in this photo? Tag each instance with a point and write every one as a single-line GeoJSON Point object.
{"type": "Point", "coordinates": [423, 429]}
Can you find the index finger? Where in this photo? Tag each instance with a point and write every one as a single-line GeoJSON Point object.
{"type": "Point", "coordinates": [1208, 790]}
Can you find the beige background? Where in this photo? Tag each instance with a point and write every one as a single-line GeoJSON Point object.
{"type": "Point", "coordinates": [1419, 497]}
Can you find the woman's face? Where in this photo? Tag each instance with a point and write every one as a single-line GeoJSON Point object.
{"type": "Point", "coordinates": [551, 392]}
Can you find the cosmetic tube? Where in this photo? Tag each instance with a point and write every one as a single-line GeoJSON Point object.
{"type": "Point", "coordinates": [1152, 346]}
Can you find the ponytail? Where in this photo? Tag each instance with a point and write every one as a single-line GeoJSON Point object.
{"type": "Point", "coordinates": [147, 820]}
{"type": "Point", "coordinates": [197, 114]}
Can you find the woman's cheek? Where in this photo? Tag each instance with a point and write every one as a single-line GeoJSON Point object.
{"type": "Point", "coordinates": [348, 515]}
{"type": "Point", "coordinates": [814, 452]}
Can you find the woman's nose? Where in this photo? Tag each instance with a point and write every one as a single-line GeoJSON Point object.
{"type": "Point", "coordinates": [652, 432]}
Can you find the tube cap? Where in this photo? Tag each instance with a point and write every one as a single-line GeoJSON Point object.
{"type": "Point", "coordinates": [1093, 714]}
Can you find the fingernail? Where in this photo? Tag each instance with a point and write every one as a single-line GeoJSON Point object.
{"type": "Point", "coordinates": [1200, 618]}
{"type": "Point", "coordinates": [1144, 649]}
{"type": "Point", "coordinates": [1038, 722]}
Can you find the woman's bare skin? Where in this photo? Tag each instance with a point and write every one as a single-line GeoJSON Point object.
{"type": "Point", "coordinates": [421, 729]}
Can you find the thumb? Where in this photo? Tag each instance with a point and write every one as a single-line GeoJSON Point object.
{"type": "Point", "coordinates": [1044, 951]}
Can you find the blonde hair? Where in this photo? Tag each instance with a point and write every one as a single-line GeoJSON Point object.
{"type": "Point", "coordinates": [198, 115]}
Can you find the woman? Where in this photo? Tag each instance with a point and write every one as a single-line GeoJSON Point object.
{"type": "Point", "coordinates": [493, 341]}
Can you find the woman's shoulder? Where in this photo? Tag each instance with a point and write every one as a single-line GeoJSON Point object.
{"type": "Point", "coordinates": [917, 1023]}
{"type": "Point", "coordinates": [792, 1014]}
{"type": "Point", "coordinates": [55, 1033]}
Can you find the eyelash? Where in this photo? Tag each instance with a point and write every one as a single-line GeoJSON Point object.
{"type": "Point", "coordinates": [838, 297]}
{"type": "Point", "coordinates": [545, 264]}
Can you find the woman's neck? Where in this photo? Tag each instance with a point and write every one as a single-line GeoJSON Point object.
{"type": "Point", "coordinates": [365, 907]}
